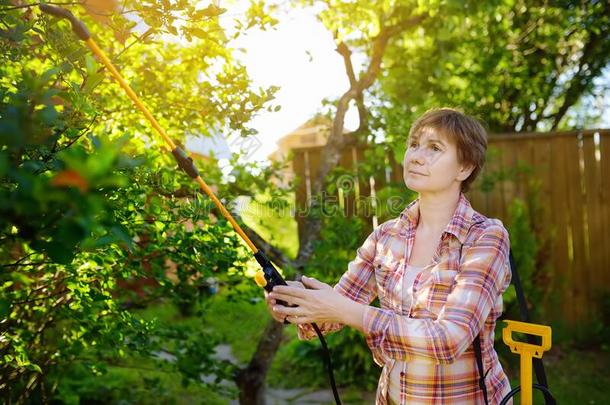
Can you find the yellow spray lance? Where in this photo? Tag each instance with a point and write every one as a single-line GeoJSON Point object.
{"type": "Point", "coordinates": [268, 276]}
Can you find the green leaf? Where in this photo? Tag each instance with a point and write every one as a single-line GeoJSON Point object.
{"type": "Point", "coordinates": [71, 232]}
{"type": "Point", "coordinates": [121, 233]}
{"type": "Point", "coordinates": [5, 307]}
{"type": "Point", "coordinates": [90, 64]}
{"type": "Point", "coordinates": [34, 367]}
{"type": "Point", "coordinates": [4, 166]}
{"type": "Point", "coordinates": [198, 32]}
{"type": "Point", "coordinates": [172, 29]}
{"type": "Point", "coordinates": [92, 82]}
{"type": "Point", "coordinates": [60, 253]}
{"type": "Point", "coordinates": [209, 11]}
{"type": "Point", "coordinates": [48, 75]}
{"type": "Point", "coordinates": [21, 278]}
{"type": "Point", "coordinates": [48, 115]}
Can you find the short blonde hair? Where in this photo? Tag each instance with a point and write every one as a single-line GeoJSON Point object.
{"type": "Point", "coordinates": [468, 134]}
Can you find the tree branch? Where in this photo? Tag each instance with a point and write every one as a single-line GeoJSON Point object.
{"type": "Point", "coordinates": [337, 140]}
{"type": "Point", "coordinates": [346, 53]}
{"type": "Point", "coordinates": [142, 37]}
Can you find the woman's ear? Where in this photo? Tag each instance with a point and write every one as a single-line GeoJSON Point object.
{"type": "Point", "coordinates": [465, 171]}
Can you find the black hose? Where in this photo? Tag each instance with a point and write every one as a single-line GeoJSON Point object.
{"type": "Point", "coordinates": [329, 365]}
{"type": "Point", "coordinates": [548, 397]}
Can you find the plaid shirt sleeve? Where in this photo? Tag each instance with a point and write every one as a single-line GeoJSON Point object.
{"type": "Point", "coordinates": [357, 283]}
{"type": "Point", "coordinates": [483, 276]}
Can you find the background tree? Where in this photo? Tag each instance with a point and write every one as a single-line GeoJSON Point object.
{"type": "Point", "coordinates": [519, 65]}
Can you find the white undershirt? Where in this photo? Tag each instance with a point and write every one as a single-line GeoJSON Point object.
{"type": "Point", "coordinates": [407, 294]}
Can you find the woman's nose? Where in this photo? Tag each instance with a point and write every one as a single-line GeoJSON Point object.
{"type": "Point", "coordinates": [415, 157]}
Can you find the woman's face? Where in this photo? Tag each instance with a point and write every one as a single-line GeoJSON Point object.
{"type": "Point", "coordinates": [431, 164]}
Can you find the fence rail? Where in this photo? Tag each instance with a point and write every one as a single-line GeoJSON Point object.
{"type": "Point", "coordinates": [570, 170]}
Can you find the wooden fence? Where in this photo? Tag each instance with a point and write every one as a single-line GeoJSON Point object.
{"type": "Point", "coordinates": [571, 171]}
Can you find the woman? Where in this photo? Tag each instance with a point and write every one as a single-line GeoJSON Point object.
{"type": "Point", "coordinates": [439, 270]}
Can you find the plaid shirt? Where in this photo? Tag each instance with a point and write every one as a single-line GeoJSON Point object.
{"type": "Point", "coordinates": [458, 296]}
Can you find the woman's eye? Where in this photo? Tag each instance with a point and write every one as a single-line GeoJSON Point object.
{"type": "Point", "coordinates": [436, 148]}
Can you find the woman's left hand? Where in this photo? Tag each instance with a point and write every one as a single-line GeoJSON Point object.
{"type": "Point", "coordinates": [319, 303]}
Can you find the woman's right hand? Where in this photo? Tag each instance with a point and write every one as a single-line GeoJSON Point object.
{"type": "Point", "coordinates": [271, 301]}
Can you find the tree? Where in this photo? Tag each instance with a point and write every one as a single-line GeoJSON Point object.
{"type": "Point", "coordinates": [518, 65]}
{"type": "Point", "coordinates": [88, 201]}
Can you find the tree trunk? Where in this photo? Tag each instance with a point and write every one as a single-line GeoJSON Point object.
{"type": "Point", "coordinates": [251, 380]}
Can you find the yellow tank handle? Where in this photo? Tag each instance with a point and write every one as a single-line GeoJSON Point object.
{"type": "Point", "coordinates": [526, 351]}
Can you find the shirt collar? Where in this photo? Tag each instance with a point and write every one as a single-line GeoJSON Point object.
{"type": "Point", "coordinates": [463, 218]}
